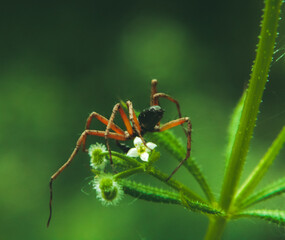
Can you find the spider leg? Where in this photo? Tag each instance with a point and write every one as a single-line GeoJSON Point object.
{"type": "Point", "coordinates": [175, 123]}
{"type": "Point", "coordinates": [126, 121]}
{"type": "Point", "coordinates": [154, 100]}
{"type": "Point", "coordinates": [135, 121]}
{"type": "Point", "coordinates": [156, 96]}
{"type": "Point", "coordinates": [102, 119]}
{"type": "Point", "coordinates": [79, 142]}
{"type": "Point", "coordinates": [133, 117]}
{"type": "Point", "coordinates": [153, 91]}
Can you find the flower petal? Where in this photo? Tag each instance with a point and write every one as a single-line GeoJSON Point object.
{"type": "Point", "coordinates": [144, 156]}
{"type": "Point", "coordinates": [133, 152]}
{"type": "Point", "coordinates": [151, 145]}
{"type": "Point", "coordinates": [137, 142]}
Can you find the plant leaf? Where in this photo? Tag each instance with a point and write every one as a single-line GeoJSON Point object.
{"type": "Point", "coordinates": [234, 123]}
{"type": "Point", "coordinates": [149, 193]}
{"type": "Point", "coordinates": [258, 173]}
{"type": "Point", "coordinates": [258, 79]}
{"type": "Point", "coordinates": [178, 186]}
{"type": "Point", "coordinates": [173, 145]}
{"type": "Point", "coordinates": [269, 191]}
{"type": "Point", "coordinates": [159, 195]}
{"type": "Point", "coordinates": [196, 206]}
{"type": "Point", "coordinates": [274, 216]}
{"type": "Point", "coordinates": [170, 142]}
{"type": "Point", "coordinates": [129, 172]}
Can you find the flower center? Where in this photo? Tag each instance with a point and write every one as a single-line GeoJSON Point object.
{"type": "Point", "coordinates": [141, 149]}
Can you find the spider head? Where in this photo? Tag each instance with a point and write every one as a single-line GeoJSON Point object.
{"type": "Point", "coordinates": [149, 117]}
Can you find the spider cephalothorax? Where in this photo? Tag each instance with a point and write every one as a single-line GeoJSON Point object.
{"type": "Point", "coordinates": [147, 121]}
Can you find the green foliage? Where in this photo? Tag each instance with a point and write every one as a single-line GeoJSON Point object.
{"type": "Point", "coordinates": [267, 192]}
{"type": "Point", "coordinates": [247, 112]}
{"type": "Point", "coordinates": [234, 124]}
{"type": "Point", "coordinates": [252, 101]}
{"type": "Point", "coordinates": [149, 193]}
{"type": "Point", "coordinates": [196, 206]}
{"type": "Point", "coordinates": [273, 216]}
{"type": "Point", "coordinates": [173, 145]}
{"type": "Point", "coordinates": [263, 166]}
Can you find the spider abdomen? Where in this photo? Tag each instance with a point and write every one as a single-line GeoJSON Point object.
{"type": "Point", "coordinates": [150, 117]}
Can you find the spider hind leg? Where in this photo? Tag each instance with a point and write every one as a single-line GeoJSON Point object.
{"type": "Point", "coordinates": [175, 123]}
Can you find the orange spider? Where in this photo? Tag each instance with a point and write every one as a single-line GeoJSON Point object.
{"type": "Point", "coordinates": [147, 121]}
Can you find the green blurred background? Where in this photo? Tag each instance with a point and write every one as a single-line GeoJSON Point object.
{"type": "Point", "coordinates": [61, 61]}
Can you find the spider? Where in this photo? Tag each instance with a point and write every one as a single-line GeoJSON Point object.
{"type": "Point", "coordinates": [147, 121]}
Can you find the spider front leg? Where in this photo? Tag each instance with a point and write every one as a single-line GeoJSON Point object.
{"type": "Point", "coordinates": [154, 100]}
{"type": "Point", "coordinates": [135, 121]}
{"type": "Point", "coordinates": [79, 142]}
{"type": "Point", "coordinates": [154, 97]}
{"type": "Point", "coordinates": [126, 121]}
{"type": "Point", "coordinates": [175, 123]}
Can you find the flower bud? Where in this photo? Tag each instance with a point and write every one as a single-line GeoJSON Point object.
{"type": "Point", "coordinates": [109, 192]}
{"type": "Point", "coordinates": [97, 161]}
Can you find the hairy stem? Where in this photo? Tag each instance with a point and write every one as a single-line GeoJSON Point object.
{"type": "Point", "coordinates": [249, 113]}
{"type": "Point", "coordinates": [216, 228]}
{"type": "Point", "coordinates": [255, 90]}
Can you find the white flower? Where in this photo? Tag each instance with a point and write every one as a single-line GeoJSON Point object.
{"type": "Point", "coordinates": [97, 161]}
{"type": "Point", "coordinates": [140, 150]}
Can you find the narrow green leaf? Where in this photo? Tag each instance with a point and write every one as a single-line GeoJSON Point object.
{"type": "Point", "coordinates": [196, 206]}
{"type": "Point", "coordinates": [170, 142]}
{"type": "Point", "coordinates": [159, 195]}
{"type": "Point", "coordinates": [173, 145]}
{"type": "Point", "coordinates": [154, 156]}
{"type": "Point", "coordinates": [234, 123]}
{"type": "Point", "coordinates": [149, 193]}
{"type": "Point", "coordinates": [258, 173]}
{"type": "Point", "coordinates": [123, 157]}
{"type": "Point", "coordinates": [268, 192]}
{"type": "Point", "coordinates": [274, 216]}
{"type": "Point", "coordinates": [252, 101]}
{"type": "Point", "coordinates": [129, 172]}
{"type": "Point", "coordinates": [178, 186]}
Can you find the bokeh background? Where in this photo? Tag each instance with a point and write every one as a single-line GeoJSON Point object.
{"type": "Point", "coordinates": [62, 60]}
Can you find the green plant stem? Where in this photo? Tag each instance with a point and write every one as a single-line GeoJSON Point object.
{"type": "Point", "coordinates": [249, 113]}
{"type": "Point", "coordinates": [147, 168]}
{"type": "Point", "coordinates": [129, 160]}
{"type": "Point", "coordinates": [253, 98]}
{"type": "Point", "coordinates": [216, 228]}
{"type": "Point", "coordinates": [129, 172]}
